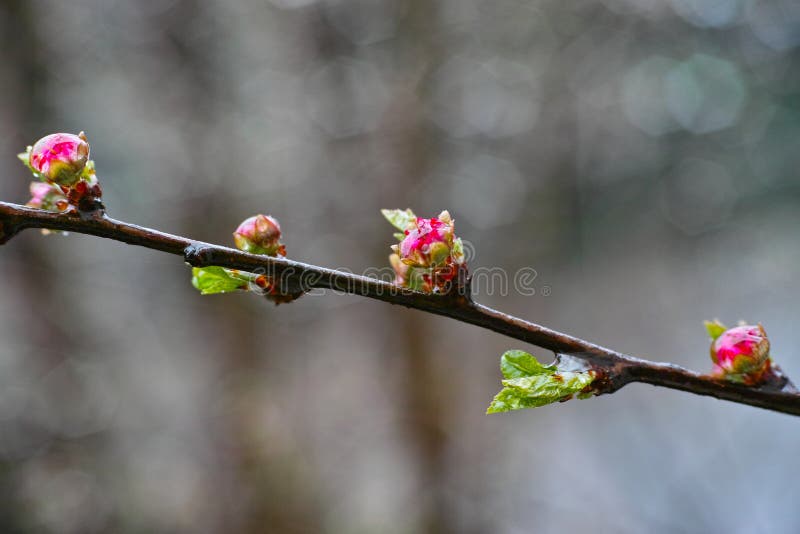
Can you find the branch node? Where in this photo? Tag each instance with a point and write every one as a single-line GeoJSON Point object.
{"type": "Point", "coordinates": [460, 288]}
{"type": "Point", "coordinates": [776, 380]}
{"type": "Point", "coordinates": [198, 255]}
{"type": "Point", "coordinates": [464, 284]}
{"type": "Point", "coordinates": [91, 209]}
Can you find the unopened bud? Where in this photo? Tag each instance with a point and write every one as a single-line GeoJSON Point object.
{"type": "Point", "coordinates": [60, 158]}
{"type": "Point", "coordinates": [741, 353]}
{"type": "Point", "coordinates": [259, 234]}
{"type": "Point", "coordinates": [428, 248]}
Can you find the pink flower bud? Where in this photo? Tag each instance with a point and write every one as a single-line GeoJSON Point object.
{"type": "Point", "coordinates": [60, 158]}
{"type": "Point", "coordinates": [741, 353]}
{"type": "Point", "coordinates": [47, 197]}
{"type": "Point", "coordinates": [430, 246]}
{"type": "Point", "coordinates": [259, 234]}
{"type": "Point", "coordinates": [429, 242]}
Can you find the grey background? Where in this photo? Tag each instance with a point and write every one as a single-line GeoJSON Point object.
{"type": "Point", "coordinates": [640, 155]}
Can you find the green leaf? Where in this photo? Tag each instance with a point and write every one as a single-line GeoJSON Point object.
{"type": "Point", "coordinates": [414, 279]}
{"type": "Point", "coordinates": [400, 219]}
{"type": "Point", "coordinates": [211, 280]}
{"type": "Point", "coordinates": [518, 364]}
{"type": "Point", "coordinates": [399, 236]}
{"type": "Point", "coordinates": [25, 158]}
{"type": "Point", "coordinates": [458, 250]}
{"type": "Point", "coordinates": [529, 384]}
{"type": "Point", "coordinates": [88, 171]}
{"type": "Point", "coordinates": [715, 328]}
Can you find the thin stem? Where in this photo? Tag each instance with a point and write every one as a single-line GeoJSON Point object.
{"type": "Point", "coordinates": [616, 368]}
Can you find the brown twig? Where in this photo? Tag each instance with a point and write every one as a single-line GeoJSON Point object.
{"type": "Point", "coordinates": [616, 369]}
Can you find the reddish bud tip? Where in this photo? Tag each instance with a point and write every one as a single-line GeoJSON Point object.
{"type": "Point", "coordinates": [741, 353]}
{"type": "Point", "coordinates": [259, 234]}
{"type": "Point", "coordinates": [60, 158]}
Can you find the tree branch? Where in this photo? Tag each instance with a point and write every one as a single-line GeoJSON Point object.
{"type": "Point", "coordinates": [616, 369]}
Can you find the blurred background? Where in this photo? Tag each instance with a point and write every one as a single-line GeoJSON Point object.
{"type": "Point", "coordinates": [640, 155]}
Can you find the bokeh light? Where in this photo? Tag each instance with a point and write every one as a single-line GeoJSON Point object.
{"type": "Point", "coordinates": [705, 93]}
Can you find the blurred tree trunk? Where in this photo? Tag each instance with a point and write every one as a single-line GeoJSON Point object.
{"type": "Point", "coordinates": [23, 77]}
{"type": "Point", "coordinates": [259, 493]}
{"type": "Point", "coordinates": [426, 406]}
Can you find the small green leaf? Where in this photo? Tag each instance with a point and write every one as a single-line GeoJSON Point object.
{"type": "Point", "coordinates": [518, 364]}
{"type": "Point", "coordinates": [414, 279]}
{"type": "Point", "coordinates": [715, 328]}
{"type": "Point", "coordinates": [399, 236]}
{"type": "Point", "coordinates": [530, 384]}
{"type": "Point", "coordinates": [211, 280]}
{"type": "Point", "coordinates": [25, 158]}
{"type": "Point", "coordinates": [458, 250]}
{"type": "Point", "coordinates": [400, 219]}
{"type": "Point", "coordinates": [88, 171]}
